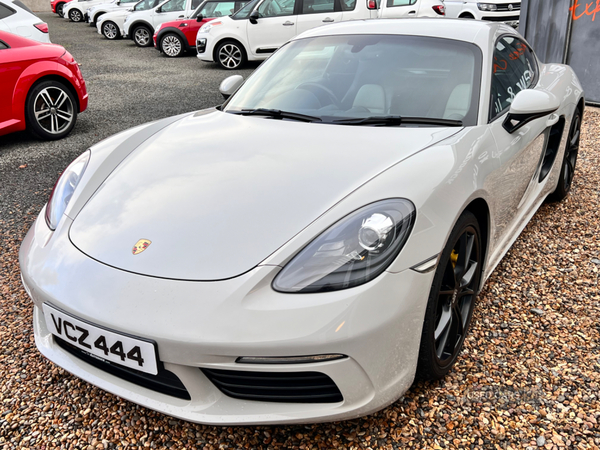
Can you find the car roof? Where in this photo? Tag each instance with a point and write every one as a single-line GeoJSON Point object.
{"type": "Point", "coordinates": [456, 29]}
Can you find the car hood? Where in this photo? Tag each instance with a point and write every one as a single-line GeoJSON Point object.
{"type": "Point", "coordinates": [217, 193]}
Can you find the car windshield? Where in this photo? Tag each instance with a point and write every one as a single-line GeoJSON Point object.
{"type": "Point", "coordinates": [352, 77]}
{"type": "Point", "coordinates": [245, 11]}
{"type": "Point", "coordinates": [145, 5]}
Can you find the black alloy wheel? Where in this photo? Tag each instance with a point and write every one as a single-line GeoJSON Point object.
{"type": "Point", "coordinates": [451, 300]}
{"type": "Point", "coordinates": [59, 9]}
{"type": "Point", "coordinates": [567, 170]}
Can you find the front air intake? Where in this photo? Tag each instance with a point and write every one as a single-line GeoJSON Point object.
{"type": "Point", "coordinates": [282, 387]}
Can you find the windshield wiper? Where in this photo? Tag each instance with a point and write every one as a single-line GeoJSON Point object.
{"type": "Point", "coordinates": [276, 114]}
{"type": "Point", "coordinates": [392, 121]}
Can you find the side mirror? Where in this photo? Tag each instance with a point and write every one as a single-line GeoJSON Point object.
{"type": "Point", "coordinates": [254, 17]}
{"type": "Point", "coordinates": [158, 10]}
{"type": "Point", "coordinates": [229, 85]}
{"type": "Point", "coordinates": [199, 18]}
{"type": "Point", "coordinates": [529, 105]}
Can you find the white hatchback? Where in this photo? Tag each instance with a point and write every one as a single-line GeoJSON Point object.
{"type": "Point", "coordinates": [93, 13]}
{"type": "Point", "coordinates": [18, 19]}
{"type": "Point", "coordinates": [262, 26]}
{"type": "Point", "coordinates": [76, 9]}
{"type": "Point", "coordinates": [140, 26]}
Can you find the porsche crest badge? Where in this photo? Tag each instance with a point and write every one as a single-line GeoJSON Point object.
{"type": "Point", "coordinates": [140, 246]}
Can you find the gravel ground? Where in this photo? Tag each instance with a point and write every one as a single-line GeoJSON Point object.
{"type": "Point", "coordinates": [528, 377]}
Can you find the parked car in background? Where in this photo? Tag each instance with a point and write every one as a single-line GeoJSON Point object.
{"type": "Point", "coordinates": [394, 9]}
{"type": "Point", "coordinates": [494, 10]}
{"type": "Point", "coordinates": [140, 26]}
{"type": "Point", "coordinates": [58, 5]}
{"type": "Point", "coordinates": [75, 10]}
{"type": "Point", "coordinates": [262, 26]}
{"type": "Point", "coordinates": [41, 88]}
{"type": "Point", "coordinates": [93, 13]}
{"type": "Point", "coordinates": [110, 25]}
{"type": "Point", "coordinates": [179, 36]}
{"type": "Point", "coordinates": [17, 18]}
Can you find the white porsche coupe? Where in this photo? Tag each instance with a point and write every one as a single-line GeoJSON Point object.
{"type": "Point", "coordinates": [303, 251]}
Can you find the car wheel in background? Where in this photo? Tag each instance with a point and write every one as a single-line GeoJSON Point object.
{"type": "Point", "coordinates": [230, 55]}
{"type": "Point", "coordinates": [51, 110]}
{"type": "Point", "coordinates": [451, 300]}
{"type": "Point", "coordinates": [567, 170]}
{"type": "Point", "coordinates": [75, 15]}
{"type": "Point", "coordinates": [142, 36]}
{"type": "Point", "coordinates": [171, 45]}
{"type": "Point", "coordinates": [110, 30]}
{"type": "Point", "coordinates": [59, 9]}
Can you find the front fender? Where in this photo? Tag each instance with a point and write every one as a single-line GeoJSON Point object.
{"type": "Point", "coordinates": [176, 31]}
{"type": "Point", "coordinates": [30, 76]}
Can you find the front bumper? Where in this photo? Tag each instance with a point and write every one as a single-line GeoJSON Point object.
{"type": "Point", "coordinates": [210, 324]}
{"type": "Point", "coordinates": [205, 47]}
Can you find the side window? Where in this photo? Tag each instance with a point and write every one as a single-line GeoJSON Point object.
{"type": "Point", "coordinates": [5, 11]}
{"type": "Point", "coordinates": [3, 45]}
{"type": "Point", "coordinates": [173, 5]}
{"type": "Point", "coordinates": [514, 69]}
{"type": "Point", "coordinates": [392, 3]}
{"type": "Point", "coordinates": [128, 1]}
{"type": "Point", "coordinates": [195, 4]}
{"type": "Point", "coordinates": [274, 8]}
{"type": "Point", "coordinates": [348, 5]}
{"type": "Point", "coordinates": [317, 6]}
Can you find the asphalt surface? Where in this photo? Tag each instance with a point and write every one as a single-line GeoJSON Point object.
{"type": "Point", "coordinates": [127, 86]}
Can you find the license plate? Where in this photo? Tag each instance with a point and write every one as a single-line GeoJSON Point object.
{"type": "Point", "coordinates": [121, 349]}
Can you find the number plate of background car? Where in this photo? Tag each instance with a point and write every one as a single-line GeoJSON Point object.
{"type": "Point", "coordinates": [117, 348]}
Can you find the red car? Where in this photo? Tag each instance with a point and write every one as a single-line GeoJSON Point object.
{"type": "Point", "coordinates": [58, 5]}
{"type": "Point", "coordinates": [41, 88]}
{"type": "Point", "coordinates": [174, 38]}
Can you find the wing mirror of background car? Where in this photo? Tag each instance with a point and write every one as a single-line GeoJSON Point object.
{"type": "Point", "coordinates": [158, 10]}
{"type": "Point", "coordinates": [229, 85]}
{"type": "Point", "coordinates": [528, 105]}
{"type": "Point", "coordinates": [253, 16]}
{"type": "Point", "coordinates": [199, 18]}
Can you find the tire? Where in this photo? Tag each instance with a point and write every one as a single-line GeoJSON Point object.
{"type": "Point", "coordinates": [452, 296]}
{"type": "Point", "coordinates": [110, 30]}
{"type": "Point", "coordinates": [466, 16]}
{"type": "Point", "coordinates": [59, 9]}
{"type": "Point", "coordinates": [95, 19]}
{"type": "Point", "coordinates": [171, 45]}
{"type": "Point", "coordinates": [50, 110]}
{"type": "Point", "coordinates": [230, 55]}
{"type": "Point", "coordinates": [75, 15]}
{"type": "Point", "coordinates": [567, 170]}
{"type": "Point", "coordinates": [142, 36]}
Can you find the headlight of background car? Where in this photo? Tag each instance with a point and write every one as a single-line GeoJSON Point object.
{"type": "Point", "coordinates": [487, 7]}
{"type": "Point", "coordinates": [207, 27]}
{"type": "Point", "coordinates": [64, 188]}
{"type": "Point", "coordinates": [351, 252]}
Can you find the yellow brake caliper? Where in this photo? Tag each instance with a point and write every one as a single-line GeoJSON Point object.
{"type": "Point", "coordinates": [454, 258]}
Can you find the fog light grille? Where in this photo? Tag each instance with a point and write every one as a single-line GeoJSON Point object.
{"type": "Point", "coordinates": [287, 387]}
{"type": "Point", "coordinates": [201, 45]}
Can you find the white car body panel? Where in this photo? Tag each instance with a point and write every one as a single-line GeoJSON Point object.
{"type": "Point", "coordinates": [152, 19]}
{"type": "Point", "coordinates": [94, 13]}
{"type": "Point", "coordinates": [80, 5]}
{"type": "Point", "coordinates": [117, 17]}
{"type": "Point", "coordinates": [22, 23]}
{"type": "Point", "coordinates": [209, 324]}
{"type": "Point", "coordinates": [422, 8]}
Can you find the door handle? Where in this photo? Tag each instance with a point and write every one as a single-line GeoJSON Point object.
{"type": "Point", "coordinates": [181, 17]}
{"type": "Point", "coordinates": [412, 13]}
{"type": "Point", "coordinates": [287, 23]}
{"type": "Point", "coordinates": [328, 19]}
{"type": "Point", "coordinates": [552, 120]}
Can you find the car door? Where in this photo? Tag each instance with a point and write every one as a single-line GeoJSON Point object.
{"type": "Point", "coordinates": [393, 9]}
{"type": "Point", "coordinates": [453, 7]}
{"type": "Point", "coordinates": [514, 68]}
{"type": "Point", "coordinates": [315, 13]}
{"type": "Point", "coordinates": [171, 10]}
{"type": "Point", "coordinates": [276, 24]}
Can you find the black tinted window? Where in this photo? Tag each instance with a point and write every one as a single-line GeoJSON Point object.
{"type": "Point", "coordinates": [392, 3]}
{"type": "Point", "coordinates": [317, 6]}
{"type": "Point", "coordinates": [514, 69]}
{"type": "Point", "coordinates": [5, 11]}
{"type": "Point", "coordinates": [3, 46]}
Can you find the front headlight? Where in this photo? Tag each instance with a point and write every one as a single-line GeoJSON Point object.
{"type": "Point", "coordinates": [487, 7]}
{"type": "Point", "coordinates": [207, 27]}
{"type": "Point", "coordinates": [351, 252]}
{"type": "Point", "coordinates": [64, 188]}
